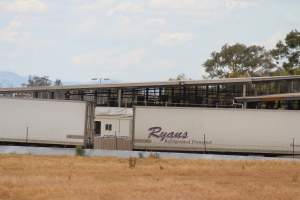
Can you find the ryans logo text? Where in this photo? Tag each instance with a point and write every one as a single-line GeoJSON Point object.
{"type": "Point", "coordinates": [157, 132]}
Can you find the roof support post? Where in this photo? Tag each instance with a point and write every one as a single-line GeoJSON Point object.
{"type": "Point", "coordinates": [81, 93]}
{"type": "Point", "coordinates": [147, 96]}
{"type": "Point", "coordinates": [206, 95]}
{"type": "Point", "coordinates": [160, 95]}
{"type": "Point", "coordinates": [52, 95]}
{"type": "Point", "coordinates": [96, 97]}
{"type": "Point", "coordinates": [67, 95]}
{"type": "Point", "coordinates": [119, 97]}
{"type": "Point", "coordinates": [183, 96]}
{"type": "Point", "coordinates": [218, 96]}
{"type": "Point", "coordinates": [244, 95]}
{"type": "Point", "coordinates": [35, 94]}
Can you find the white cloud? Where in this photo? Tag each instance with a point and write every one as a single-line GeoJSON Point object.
{"type": "Point", "coordinates": [110, 60]}
{"type": "Point", "coordinates": [235, 4]}
{"type": "Point", "coordinates": [8, 36]}
{"type": "Point", "coordinates": [91, 6]}
{"type": "Point", "coordinates": [11, 32]}
{"type": "Point", "coordinates": [125, 7]}
{"type": "Point", "coordinates": [109, 7]}
{"type": "Point", "coordinates": [187, 7]}
{"type": "Point", "coordinates": [156, 22]}
{"type": "Point", "coordinates": [272, 40]}
{"type": "Point", "coordinates": [205, 9]}
{"type": "Point", "coordinates": [23, 6]}
{"type": "Point", "coordinates": [174, 38]}
{"type": "Point", "coordinates": [156, 64]}
{"type": "Point", "coordinates": [132, 20]}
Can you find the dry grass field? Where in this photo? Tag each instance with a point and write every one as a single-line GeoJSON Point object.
{"type": "Point", "coordinates": [45, 178]}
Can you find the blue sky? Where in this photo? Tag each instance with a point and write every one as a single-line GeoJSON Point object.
{"type": "Point", "coordinates": [133, 40]}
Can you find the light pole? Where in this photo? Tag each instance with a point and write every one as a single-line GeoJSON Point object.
{"type": "Point", "coordinates": [100, 79]}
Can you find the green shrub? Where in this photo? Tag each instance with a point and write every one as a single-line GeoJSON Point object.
{"type": "Point", "coordinates": [79, 151]}
{"type": "Point", "coordinates": [132, 162]}
{"type": "Point", "coordinates": [141, 155]}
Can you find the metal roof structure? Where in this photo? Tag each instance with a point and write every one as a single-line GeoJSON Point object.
{"type": "Point", "coordinates": [150, 84]}
{"type": "Point", "coordinates": [225, 93]}
{"type": "Point", "coordinates": [271, 97]}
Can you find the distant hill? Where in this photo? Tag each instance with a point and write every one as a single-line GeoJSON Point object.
{"type": "Point", "coordinates": [11, 79]}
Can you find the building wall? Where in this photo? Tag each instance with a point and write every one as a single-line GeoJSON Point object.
{"type": "Point", "coordinates": [119, 138]}
{"type": "Point", "coordinates": [121, 127]}
{"type": "Point", "coordinates": [195, 94]}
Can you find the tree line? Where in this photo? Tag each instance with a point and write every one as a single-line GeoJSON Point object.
{"type": "Point", "coordinates": [34, 81]}
{"type": "Point", "coordinates": [240, 60]}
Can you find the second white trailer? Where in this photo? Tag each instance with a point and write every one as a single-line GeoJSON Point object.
{"type": "Point", "coordinates": [216, 130]}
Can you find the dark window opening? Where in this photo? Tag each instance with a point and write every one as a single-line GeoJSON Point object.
{"type": "Point", "coordinates": [108, 127]}
{"type": "Point", "coordinates": [97, 128]}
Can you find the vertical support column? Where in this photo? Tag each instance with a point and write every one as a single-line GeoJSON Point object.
{"type": "Point", "coordinates": [244, 95]}
{"type": "Point", "coordinates": [81, 95]}
{"type": "Point", "coordinates": [108, 103]}
{"type": "Point", "coordinates": [218, 96]}
{"type": "Point", "coordinates": [184, 97]}
{"type": "Point", "coordinates": [52, 95]}
{"type": "Point", "coordinates": [119, 97]}
{"type": "Point", "coordinates": [196, 95]}
{"type": "Point", "coordinates": [96, 97]}
{"type": "Point", "coordinates": [67, 95]}
{"type": "Point", "coordinates": [173, 101]}
{"type": "Point", "coordinates": [147, 96]}
{"type": "Point", "coordinates": [133, 97]}
{"type": "Point", "coordinates": [206, 95]}
{"type": "Point", "coordinates": [160, 95]}
{"type": "Point", "coordinates": [36, 95]}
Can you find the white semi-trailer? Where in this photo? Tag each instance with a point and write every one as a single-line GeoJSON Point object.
{"type": "Point", "coordinates": [216, 130]}
{"type": "Point", "coordinates": [45, 121]}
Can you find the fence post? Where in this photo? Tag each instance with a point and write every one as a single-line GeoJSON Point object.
{"type": "Point", "coordinates": [204, 141]}
{"type": "Point", "coordinates": [27, 130]}
{"type": "Point", "coordinates": [293, 148]}
{"type": "Point", "coordinates": [116, 141]}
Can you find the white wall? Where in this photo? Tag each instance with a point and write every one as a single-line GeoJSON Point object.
{"type": "Point", "coordinates": [121, 126]}
{"type": "Point", "coordinates": [48, 121]}
{"type": "Point", "coordinates": [225, 129]}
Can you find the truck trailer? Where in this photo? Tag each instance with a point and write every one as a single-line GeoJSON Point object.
{"type": "Point", "coordinates": [216, 130]}
{"type": "Point", "coordinates": [223, 130]}
{"type": "Point", "coordinates": [52, 122]}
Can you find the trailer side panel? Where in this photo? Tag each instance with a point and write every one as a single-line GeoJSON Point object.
{"type": "Point", "coordinates": [222, 130]}
{"type": "Point", "coordinates": [42, 121]}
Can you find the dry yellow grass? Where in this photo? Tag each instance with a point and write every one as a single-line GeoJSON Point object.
{"type": "Point", "coordinates": [45, 178]}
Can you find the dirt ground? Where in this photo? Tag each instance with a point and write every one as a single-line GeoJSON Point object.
{"type": "Point", "coordinates": [45, 178]}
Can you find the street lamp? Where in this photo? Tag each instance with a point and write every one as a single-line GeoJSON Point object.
{"type": "Point", "coordinates": [100, 79]}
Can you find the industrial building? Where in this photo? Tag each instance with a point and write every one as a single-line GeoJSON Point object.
{"type": "Point", "coordinates": [279, 92]}
{"type": "Point", "coordinates": [159, 116]}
